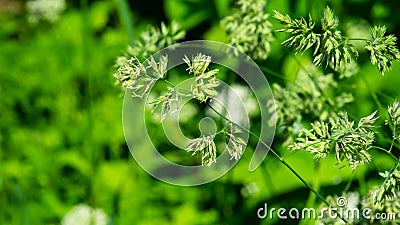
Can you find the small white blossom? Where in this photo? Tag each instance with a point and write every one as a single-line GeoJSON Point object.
{"type": "Point", "coordinates": [84, 215]}
{"type": "Point", "coordinates": [49, 10]}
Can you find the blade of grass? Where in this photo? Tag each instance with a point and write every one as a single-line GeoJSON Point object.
{"type": "Point", "coordinates": [126, 17]}
{"type": "Point", "coordinates": [292, 170]}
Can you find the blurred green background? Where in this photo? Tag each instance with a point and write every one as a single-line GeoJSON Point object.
{"type": "Point", "coordinates": [61, 137]}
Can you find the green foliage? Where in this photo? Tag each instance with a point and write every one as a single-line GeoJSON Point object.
{"type": "Point", "coordinates": [191, 14]}
{"type": "Point", "coordinates": [383, 48]}
{"type": "Point", "coordinates": [205, 80]}
{"type": "Point", "coordinates": [303, 36]}
{"type": "Point", "coordinates": [390, 188]}
{"type": "Point", "coordinates": [235, 144]}
{"type": "Point", "coordinates": [204, 146]}
{"type": "Point", "coordinates": [167, 100]}
{"type": "Point", "coordinates": [349, 141]}
{"type": "Point", "coordinates": [249, 29]}
{"type": "Point", "coordinates": [384, 198]}
{"type": "Point", "coordinates": [135, 76]}
{"type": "Point", "coordinates": [308, 94]}
{"type": "Point", "coordinates": [394, 119]}
{"type": "Point", "coordinates": [313, 94]}
{"type": "Point", "coordinates": [154, 39]}
{"type": "Point", "coordinates": [331, 48]}
{"type": "Point", "coordinates": [61, 139]}
{"type": "Point", "coordinates": [353, 202]}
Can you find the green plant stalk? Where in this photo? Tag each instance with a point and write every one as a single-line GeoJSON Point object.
{"type": "Point", "coordinates": [387, 151]}
{"type": "Point", "coordinates": [315, 84]}
{"type": "Point", "coordinates": [125, 17]}
{"type": "Point", "coordinates": [267, 177]}
{"type": "Point", "coordinates": [280, 159]}
{"type": "Point", "coordinates": [316, 184]}
{"type": "Point", "coordinates": [394, 137]}
{"type": "Point", "coordinates": [380, 106]}
{"type": "Point", "coordinates": [273, 73]}
{"type": "Point", "coordinates": [348, 185]}
{"type": "Point", "coordinates": [357, 39]}
{"type": "Point", "coordinates": [392, 170]}
{"type": "Point", "coordinates": [304, 68]}
{"type": "Point", "coordinates": [377, 102]}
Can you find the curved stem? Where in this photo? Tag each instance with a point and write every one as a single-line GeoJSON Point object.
{"type": "Point", "coordinates": [279, 158]}
{"type": "Point", "coordinates": [166, 81]}
{"type": "Point", "coordinates": [347, 187]}
{"type": "Point", "coordinates": [357, 39]}
{"type": "Point", "coordinates": [174, 86]}
{"type": "Point", "coordinates": [289, 154]}
{"type": "Point", "coordinates": [393, 138]}
{"type": "Point", "coordinates": [380, 106]}
{"type": "Point", "coordinates": [390, 141]}
{"type": "Point", "coordinates": [391, 171]}
{"type": "Point", "coordinates": [387, 151]}
{"type": "Point", "coordinates": [273, 73]}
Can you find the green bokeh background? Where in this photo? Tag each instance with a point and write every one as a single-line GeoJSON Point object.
{"type": "Point", "coordinates": [61, 137]}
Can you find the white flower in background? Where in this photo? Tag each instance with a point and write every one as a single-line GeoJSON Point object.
{"type": "Point", "coordinates": [250, 189]}
{"type": "Point", "coordinates": [247, 96]}
{"type": "Point", "coordinates": [230, 97]}
{"type": "Point", "coordinates": [84, 215]}
{"type": "Point", "coordinates": [49, 10]}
